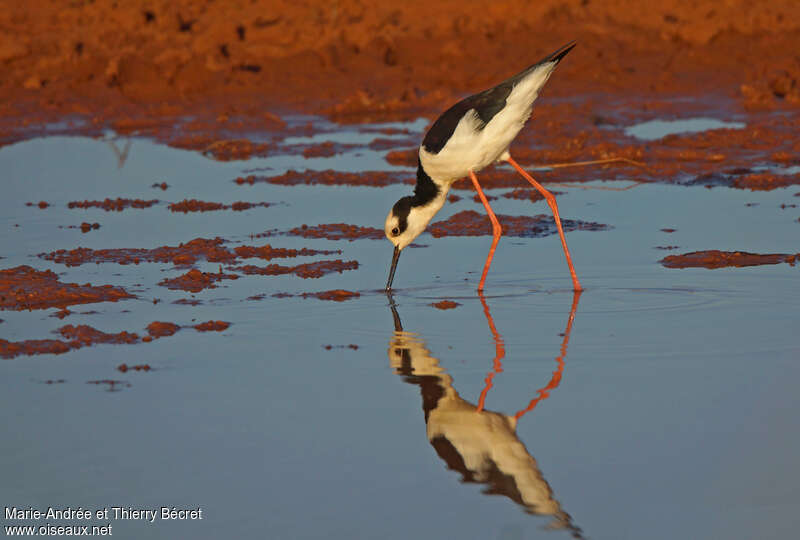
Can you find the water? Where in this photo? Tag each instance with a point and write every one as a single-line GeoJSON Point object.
{"type": "Point", "coordinates": [674, 415]}
{"type": "Point", "coordinates": [656, 129]}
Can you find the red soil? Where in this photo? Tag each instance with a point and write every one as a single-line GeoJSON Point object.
{"type": "Point", "coordinates": [721, 259]}
{"type": "Point", "coordinates": [24, 287]}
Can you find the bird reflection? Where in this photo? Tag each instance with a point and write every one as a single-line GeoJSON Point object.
{"type": "Point", "coordinates": [121, 155]}
{"type": "Point", "coordinates": [481, 445]}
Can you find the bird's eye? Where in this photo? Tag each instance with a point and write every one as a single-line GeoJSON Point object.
{"type": "Point", "coordinates": [395, 231]}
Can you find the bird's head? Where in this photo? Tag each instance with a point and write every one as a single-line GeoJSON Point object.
{"type": "Point", "coordinates": [403, 224]}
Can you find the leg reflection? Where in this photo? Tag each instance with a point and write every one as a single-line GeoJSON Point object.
{"type": "Point", "coordinates": [481, 445]}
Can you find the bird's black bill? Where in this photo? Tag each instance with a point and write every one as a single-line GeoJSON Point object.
{"type": "Point", "coordinates": [395, 257]}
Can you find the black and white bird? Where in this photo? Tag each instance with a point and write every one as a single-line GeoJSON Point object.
{"type": "Point", "coordinates": [473, 133]}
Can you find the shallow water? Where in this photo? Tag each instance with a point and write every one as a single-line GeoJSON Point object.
{"type": "Point", "coordinates": [674, 414]}
{"type": "Point", "coordinates": [656, 129]}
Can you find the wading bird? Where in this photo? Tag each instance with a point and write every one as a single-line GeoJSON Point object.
{"type": "Point", "coordinates": [470, 135]}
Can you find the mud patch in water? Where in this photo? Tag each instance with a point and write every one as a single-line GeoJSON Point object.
{"type": "Point", "coordinates": [722, 259]}
{"type": "Point", "coordinates": [24, 287]}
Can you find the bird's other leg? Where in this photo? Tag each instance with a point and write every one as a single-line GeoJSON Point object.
{"type": "Point", "coordinates": [499, 353]}
{"type": "Point", "coordinates": [496, 229]}
{"type": "Point", "coordinates": [551, 201]}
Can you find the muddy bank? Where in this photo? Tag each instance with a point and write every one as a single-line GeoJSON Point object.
{"type": "Point", "coordinates": [357, 61]}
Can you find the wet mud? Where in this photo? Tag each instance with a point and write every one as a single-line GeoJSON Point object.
{"type": "Point", "coordinates": [305, 271]}
{"type": "Point", "coordinates": [335, 295]}
{"type": "Point", "coordinates": [124, 368]}
{"type": "Point", "coordinates": [445, 304]}
{"type": "Point", "coordinates": [193, 205]}
{"type": "Point", "coordinates": [722, 259]}
{"type": "Point", "coordinates": [187, 254]}
{"type": "Point", "coordinates": [24, 287]}
{"type": "Point", "coordinates": [330, 178]}
{"type": "Point", "coordinates": [78, 337]}
{"type": "Point", "coordinates": [116, 205]}
{"type": "Point", "coordinates": [335, 231]}
{"type": "Point", "coordinates": [195, 281]}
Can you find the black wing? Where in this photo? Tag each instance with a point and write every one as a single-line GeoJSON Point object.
{"type": "Point", "coordinates": [485, 104]}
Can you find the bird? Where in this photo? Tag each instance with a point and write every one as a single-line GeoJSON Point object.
{"type": "Point", "coordinates": [472, 134]}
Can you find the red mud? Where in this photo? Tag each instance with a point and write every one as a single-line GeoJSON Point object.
{"type": "Point", "coordinates": [186, 254]}
{"type": "Point", "coordinates": [117, 204]}
{"type": "Point", "coordinates": [124, 368]}
{"type": "Point", "coordinates": [113, 385]}
{"type": "Point", "coordinates": [721, 259]}
{"type": "Point", "coordinates": [193, 205]}
{"type": "Point", "coordinates": [162, 186]}
{"type": "Point", "coordinates": [529, 194]}
{"type": "Point", "coordinates": [308, 270]}
{"type": "Point", "coordinates": [77, 337]}
{"type": "Point", "coordinates": [471, 223]}
{"type": "Point", "coordinates": [338, 231]}
{"type": "Point", "coordinates": [336, 295]}
{"type": "Point", "coordinates": [159, 329]}
{"type": "Point", "coordinates": [445, 304]}
{"type": "Point", "coordinates": [24, 287]}
{"type": "Point", "coordinates": [40, 204]}
{"type": "Point", "coordinates": [195, 281]}
{"type": "Point", "coordinates": [212, 326]}
{"type": "Point", "coordinates": [238, 149]}
{"type": "Point", "coordinates": [330, 178]}
{"type": "Point", "coordinates": [326, 149]}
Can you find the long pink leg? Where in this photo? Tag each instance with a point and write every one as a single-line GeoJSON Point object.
{"type": "Point", "coordinates": [496, 229]}
{"type": "Point", "coordinates": [551, 201]}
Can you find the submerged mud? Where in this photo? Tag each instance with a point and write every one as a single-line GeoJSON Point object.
{"type": "Point", "coordinates": [335, 295]}
{"type": "Point", "coordinates": [77, 337]}
{"type": "Point", "coordinates": [308, 270]}
{"type": "Point", "coordinates": [186, 254]}
{"type": "Point", "coordinates": [329, 178]}
{"type": "Point", "coordinates": [721, 259]}
{"type": "Point", "coordinates": [471, 223]}
{"type": "Point", "coordinates": [193, 205]}
{"type": "Point", "coordinates": [117, 205]}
